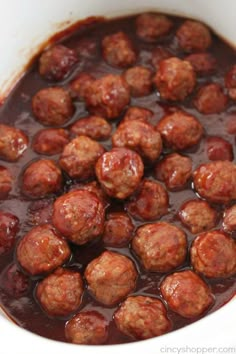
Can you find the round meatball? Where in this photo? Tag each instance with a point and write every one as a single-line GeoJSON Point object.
{"type": "Point", "coordinates": [138, 113]}
{"type": "Point", "coordinates": [6, 181]}
{"type": "Point", "coordinates": [216, 181]}
{"type": "Point", "coordinates": [94, 127]}
{"type": "Point", "coordinates": [52, 106]}
{"type": "Point", "coordinates": [41, 178]}
{"type": "Point", "coordinates": [118, 229]}
{"type": "Point", "coordinates": [230, 82]}
{"type": "Point", "coordinates": [42, 250]}
{"type": "Point", "coordinates": [213, 254]}
{"type": "Point", "coordinates": [161, 246]}
{"type": "Point", "coordinates": [79, 157]}
{"type": "Point", "coordinates": [203, 63]}
{"type": "Point", "coordinates": [159, 54]}
{"type": "Point", "coordinates": [142, 317]}
{"type": "Point", "coordinates": [50, 141]}
{"type": "Point", "coordinates": [193, 36]}
{"type": "Point", "coordinates": [229, 220]}
{"type": "Point", "coordinates": [60, 293]}
{"type": "Point", "coordinates": [174, 170]}
{"type": "Point", "coordinates": [219, 149]}
{"type": "Point", "coordinates": [186, 294]}
{"type": "Point", "coordinates": [9, 226]}
{"type": "Point", "coordinates": [198, 216]}
{"type": "Point", "coordinates": [210, 99]}
{"type": "Point", "coordinates": [95, 188]}
{"type": "Point", "coordinates": [150, 27]}
{"type": "Point", "coordinates": [139, 80]}
{"type": "Point", "coordinates": [179, 130]}
{"type": "Point", "coordinates": [150, 202]}
{"type": "Point", "coordinates": [175, 79]}
{"type": "Point", "coordinates": [13, 143]}
{"type": "Point", "coordinates": [118, 50]}
{"type": "Point", "coordinates": [79, 216]}
{"type": "Point", "coordinates": [119, 172]}
{"type": "Point", "coordinates": [79, 87]}
{"type": "Point", "coordinates": [87, 327]}
{"type": "Point", "coordinates": [56, 62]}
{"type": "Point", "coordinates": [111, 277]}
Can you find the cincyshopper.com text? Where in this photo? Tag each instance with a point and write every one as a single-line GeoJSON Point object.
{"type": "Point", "coordinates": [198, 350]}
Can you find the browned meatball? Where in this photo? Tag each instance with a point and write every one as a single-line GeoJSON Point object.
{"type": "Point", "coordinates": [13, 143]}
{"type": "Point", "coordinates": [213, 254]}
{"type": "Point", "coordinates": [52, 106]}
{"type": "Point", "coordinates": [87, 327]}
{"type": "Point", "coordinates": [9, 226]}
{"type": "Point", "coordinates": [203, 63]}
{"type": "Point", "coordinates": [150, 27]}
{"type": "Point", "coordinates": [94, 127]}
{"type": "Point", "coordinates": [229, 221]}
{"type": "Point", "coordinates": [56, 62]}
{"type": "Point", "coordinates": [193, 36]}
{"type": "Point", "coordinates": [79, 87]}
{"type": "Point", "coordinates": [60, 293]}
{"type": "Point", "coordinates": [111, 277]}
{"type": "Point", "coordinates": [216, 181]}
{"type": "Point", "coordinates": [186, 293]}
{"type": "Point", "coordinates": [230, 82]}
{"type": "Point", "coordinates": [139, 80]}
{"type": "Point", "coordinates": [118, 50]}
{"type": "Point", "coordinates": [138, 113]}
{"type": "Point", "coordinates": [150, 202]}
{"type": "Point", "coordinates": [119, 172]}
{"type": "Point", "coordinates": [219, 149]}
{"type": "Point", "coordinates": [6, 181]}
{"type": "Point", "coordinates": [41, 178]}
{"type": "Point", "coordinates": [175, 79]}
{"type": "Point", "coordinates": [50, 141]}
{"type": "Point", "coordinates": [79, 216]}
{"type": "Point", "coordinates": [159, 54]}
{"type": "Point", "coordinates": [95, 188]}
{"type": "Point", "coordinates": [161, 247]}
{"type": "Point", "coordinates": [79, 157]}
{"type": "Point", "coordinates": [118, 229]}
{"type": "Point", "coordinates": [142, 317]}
{"type": "Point", "coordinates": [174, 170]}
{"type": "Point", "coordinates": [210, 99]}
{"type": "Point", "coordinates": [180, 130]}
{"type": "Point", "coordinates": [198, 216]}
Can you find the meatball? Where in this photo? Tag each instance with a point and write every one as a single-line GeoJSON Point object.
{"type": "Point", "coordinates": [118, 50]}
{"type": "Point", "coordinates": [94, 127]}
{"type": "Point", "coordinates": [9, 226]}
{"type": "Point", "coordinates": [60, 293]}
{"type": "Point", "coordinates": [56, 62]}
{"type": "Point", "coordinates": [6, 181]}
{"type": "Point", "coordinates": [213, 254]}
{"type": "Point", "coordinates": [87, 327]}
{"type": "Point", "coordinates": [219, 149]}
{"type": "Point", "coordinates": [41, 178]}
{"type": "Point", "coordinates": [216, 181]}
{"type": "Point", "coordinates": [138, 113]}
{"type": "Point", "coordinates": [210, 99]}
{"type": "Point", "coordinates": [161, 246]}
{"type": "Point", "coordinates": [52, 106]}
{"type": "Point", "coordinates": [150, 202]}
{"type": "Point", "coordinates": [179, 130]}
{"type": "Point", "coordinates": [42, 250]}
{"type": "Point", "coordinates": [13, 143]}
{"type": "Point", "coordinates": [118, 229]}
{"type": "Point", "coordinates": [95, 188]}
{"type": "Point", "coordinates": [159, 54]}
{"type": "Point", "coordinates": [229, 220]}
{"type": "Point", "coordinates": [150, 27]}
{"type": "Point", "coordinates": [230, 82]}
{"type": "Point", "coordinates": [142, 317]}
{"type": "Point", "coordinates": [79, 157]}
{"type": "Point", "coordinates": [175, 79]}
{"type": "Point", "coordinates": [119, 172]}
{"type": "Point", "coordinates": [79, 216]}
{"type": "Point", "coordinates": [50, 141]}
{"type": "Point", "coordinates": [111, 277]}
{"type": "Point", "coordinates": [108, 96]}
{"type": "Point", "coordinates": [79, 87]}
{"type": "Point", "coordinates": [174, 170]}
{"type": "Point", "coordinates": [203, 63]}
{"type": "Point", "coordinates": [198, 216]}
{"type": "Point", "coordinates": [186, 294]}
{"type": "Point", "coordinates": [139, 80]}
{"type": "Point", "coordinates": [193, 36]}
{"type": "Point", "coordinates": [14, 282]}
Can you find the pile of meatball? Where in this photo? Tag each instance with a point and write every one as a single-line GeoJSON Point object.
{"type": "Point", "coordinates": [102, 178]}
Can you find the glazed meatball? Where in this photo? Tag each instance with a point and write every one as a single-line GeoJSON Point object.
{"type": "Point", "coordinates": [150, 27]}
{"type": "Point", "coordinates": [175, 79]}
{"type": "Point", "coordinates": [150, 202]}
{"type": "Point", "coordinates": [41, 178]}
{"type": "Point", "coordinates": [138, 113]}
{"type": "Point", "coordinates": [56, 62]}
{"type": "Point", "coordinates": [79, 216]}
{"type": "Point", "coordinates": [95, 188]}
{"type": "Point", "coordinates": [216, 181]}
{"type": "Point", "coordinates": [9, 226]}
{"type": "Point", "coordinates": [229, 220]}
{"type": "Point", "coordinates": [50, 141]}
{"type": "Point", "coordinates": [193, 36]}
{"type": "Point", "coordinates": [79, 87]}
{"type": "Point", "coordinates": [159, 54]}
{"type": "Point", "coordinates": [6, 181]}
{"type": "Point", "coordinates": [118, 229]}
{"type": "Point", "coordinates": [119, 172]}
{"type": "Point", "coordinates": [60, 293]}
{"type": "Point", "coordinates": [79, 157]}
{"type": "Point", "coordinates": [52, 106]}
{"type": "Point", "coordinates": [13, 143]}
{"type": "Point", "coordinates": [186, 294]}
{"type": "Point", "coordinates": [94, 127]}
{"type": "Point", "coordinates": [213, 254]}
{"type": "Point", "coordinates": [139, 80]}
{"type": "Point", "coordinates": [118, 50]}
{"type": "Point", "coordinates": [230, 82]}
{"type": "Point", "coordinates": [111, 277]}
{"type": "Point", "coordinates": [161, 246]}
{"type": "Point", "coordinates": [198, 216]}
{"type": "Point", "coordinates": [142, 317]}
{"type": "Point", "coordinates": [219, 149]}
{"type": "Point", "coordinates": [203, 63]}
{"type": "Point", "coordinates": [179, 130]}
{"type": "Point", "coordinates": [210, 99]}
{"type": "Point", "coordinates": [174, 170]}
